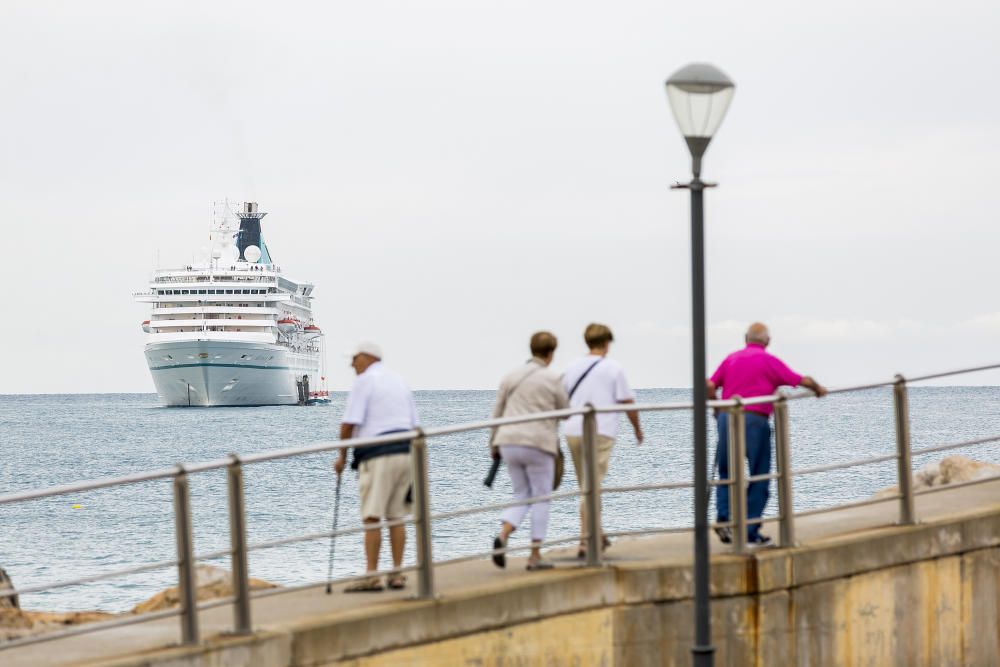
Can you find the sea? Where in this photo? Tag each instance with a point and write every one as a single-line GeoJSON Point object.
{"type": "Point", "coordinates": [48, 440]}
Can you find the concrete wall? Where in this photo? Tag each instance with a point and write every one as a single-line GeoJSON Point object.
{"type": "Point", "coordinates": [926, 595]}
{"type": "Point", "coordinates": [937, 612]}
{"type": "Point", "coordinates": [922, 595]}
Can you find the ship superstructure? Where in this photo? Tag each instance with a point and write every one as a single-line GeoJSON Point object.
{"type": "Point", "coordinates": [232, 329]}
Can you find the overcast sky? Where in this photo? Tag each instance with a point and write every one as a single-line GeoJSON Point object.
{"type": "Point", "coordinates": [453, 175]}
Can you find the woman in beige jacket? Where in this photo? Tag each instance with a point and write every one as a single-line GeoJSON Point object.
{"type": "Point", "coordinates": [529, 448]}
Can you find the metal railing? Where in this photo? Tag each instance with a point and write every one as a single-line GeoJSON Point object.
{"type": "Point", "coordinates": [423, 520]}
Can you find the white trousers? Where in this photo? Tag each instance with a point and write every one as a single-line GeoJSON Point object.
{"type": "Point", "coordinates": [531, 472]}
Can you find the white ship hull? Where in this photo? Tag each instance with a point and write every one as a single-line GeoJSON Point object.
{"type": "Point", "coordinates": [228, 373]}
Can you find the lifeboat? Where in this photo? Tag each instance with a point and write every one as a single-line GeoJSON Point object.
{"type": "Point", "coordinates": [146, 327]}
{"type": "Point", "coordinates": [287, 325]}
{"type": "Point", "coordinates": [312, 331]}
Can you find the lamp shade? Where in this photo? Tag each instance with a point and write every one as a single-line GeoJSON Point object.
{"type": "Point", "coordinates": [699, 96]}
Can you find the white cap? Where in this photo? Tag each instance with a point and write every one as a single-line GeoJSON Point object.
{"type": "Point", "coordinates": [369, 348]}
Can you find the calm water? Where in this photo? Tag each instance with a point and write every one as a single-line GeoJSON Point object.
{"type": "Point", "coordinates": [49, 440]}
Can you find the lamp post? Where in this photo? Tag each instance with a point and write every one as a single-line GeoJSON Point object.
{"type": "Point", "coordinates": [699, 96]}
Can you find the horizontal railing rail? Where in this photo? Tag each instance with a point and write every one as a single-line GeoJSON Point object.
{"type": "Point", "coordinates": [590, 491]}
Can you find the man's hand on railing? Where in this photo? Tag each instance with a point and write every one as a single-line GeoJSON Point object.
{"type": "Point", "coordinates": [816, 387]}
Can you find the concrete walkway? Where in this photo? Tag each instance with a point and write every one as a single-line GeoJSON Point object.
{"type": "Point", "coordinates": [311, 608]}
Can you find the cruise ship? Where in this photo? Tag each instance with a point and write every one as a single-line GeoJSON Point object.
{"type": "Point", "coordinates": [232, 329]}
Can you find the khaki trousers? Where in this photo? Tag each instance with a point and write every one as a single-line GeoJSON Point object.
{"type": "Point", "coordinates": [604, 446]}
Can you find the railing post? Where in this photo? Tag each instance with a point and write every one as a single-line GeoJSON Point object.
{"type": "Point", "coordinates": [783, 452]}
{"type": "Point", "coordinates": [737, 476]}
{"type": "Point", "coordinates": [238, 542]}
{"type": "Point", "coordinates": [186, 581]}
{"type": "Point", "coordinates": [422, 512]}
{"type": "Point", "coordinates": [592, 487]}
{"type": "Point", "coordinates": [901, 404]}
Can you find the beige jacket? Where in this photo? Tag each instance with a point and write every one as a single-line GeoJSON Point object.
{"type": "Point", "coordinates": [536, 388]}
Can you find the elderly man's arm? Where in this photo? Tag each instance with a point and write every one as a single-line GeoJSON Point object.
{"type": "Point", "coordinates": [346, 433]}
{"type": "Point", "coordinates": [816, 387]}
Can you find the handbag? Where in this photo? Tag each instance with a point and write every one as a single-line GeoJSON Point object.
{"type": "Point", "coordinates": [560, 468]}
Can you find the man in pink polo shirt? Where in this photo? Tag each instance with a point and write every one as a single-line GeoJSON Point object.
{"type": "Point", "coordinates": [750, 372]}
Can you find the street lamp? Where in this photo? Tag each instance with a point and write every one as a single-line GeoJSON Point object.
{"type": "Point", "coordinates": [699, 96]}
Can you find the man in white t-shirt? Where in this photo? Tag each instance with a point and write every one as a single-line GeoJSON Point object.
{"type": "Point", "coordinates": [600, 381]}
{"type": "Point", "coordinates": [380, 402]}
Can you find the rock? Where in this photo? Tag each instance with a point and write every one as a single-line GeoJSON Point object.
{"type": "Point", "coordinates": [16, 622]}
{"type": "Point", "coordinates": [9, 601]}
{"type": "Point", "coordinates": [949, 470]}
{"type": "Point", "coordinates": [953, 470]}
{"type": "Point", "coordinates": [212, 582]}
{"type": "Point", "coordinates": [927, 476]}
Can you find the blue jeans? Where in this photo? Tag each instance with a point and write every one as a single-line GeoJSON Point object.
{"type": "Point", "coordinates": [758, 436]}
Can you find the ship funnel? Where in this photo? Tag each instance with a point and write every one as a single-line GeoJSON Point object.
{"type": "Point", "coordinates": [249, 234]}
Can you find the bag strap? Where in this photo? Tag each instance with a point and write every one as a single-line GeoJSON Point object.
{"type": "Point", "coordinates": [510, 392]}
{"type": "Point", "coordinates": [585, 374]}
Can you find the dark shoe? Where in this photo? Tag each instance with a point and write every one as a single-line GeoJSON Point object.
{"type": "Point", "coordinates": [581, 552]}
{"type": "Point", "coordinates": [725, 534]}
{"type": "Point", "coordinates": [538, 565]}
{"type": "Point", "coordinates": [759, 540]}
{"type": "Point", "coordinates": [605, 543]}
{"type": "Point", "coordinates": [500, 560]}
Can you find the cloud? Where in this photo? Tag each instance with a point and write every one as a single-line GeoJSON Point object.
{"type": "Point", "coordinates": [825, 329]}
{"type": "Point", "coordinates": [988, 323]}
{"type": "Point", "coordinates": [802, 328]}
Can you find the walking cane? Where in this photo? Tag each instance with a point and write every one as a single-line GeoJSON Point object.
{"type": "Point", "coordinates": [333, 537]}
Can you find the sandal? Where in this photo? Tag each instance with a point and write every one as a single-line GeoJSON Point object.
{"type": "Point", "coordinates": [499, 559]}
{"type": "Point", "coordinates": [539, 564]}
{"type": "Point", "coordinates": [396, 581]}
{"type": "Point", "coordinates": [368, 585]}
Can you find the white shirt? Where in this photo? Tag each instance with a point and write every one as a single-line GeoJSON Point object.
{"type": "Point", "coordinates": [380, 401]}
{"type": "Point", "coordinates": [604, 385]}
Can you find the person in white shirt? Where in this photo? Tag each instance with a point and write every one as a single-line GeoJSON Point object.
{"type": "Point", "coordinates": [600, 381]}
{"type": "Point", "coordinates": [380, 402]}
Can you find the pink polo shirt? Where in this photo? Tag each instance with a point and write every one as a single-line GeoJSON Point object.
{"type": "Point", "coordinates": [753, 371]}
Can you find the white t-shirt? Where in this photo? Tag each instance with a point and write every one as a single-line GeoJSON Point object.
{"type": "Point", "coordinates": [604, 385]}
{"type": "Point", "coordinates": [380, 401]}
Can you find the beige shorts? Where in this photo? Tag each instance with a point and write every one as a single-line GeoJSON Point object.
{"type": "Point", "coordinates": [604, 446]}
{"type": "Point", "coordinates": [383, 482]}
